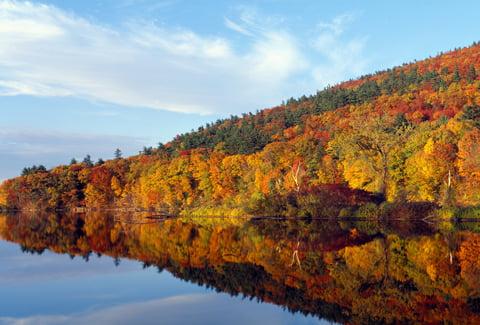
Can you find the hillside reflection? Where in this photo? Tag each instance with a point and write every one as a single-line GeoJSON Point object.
{"type": "Point", "coordinates": [347, 272]}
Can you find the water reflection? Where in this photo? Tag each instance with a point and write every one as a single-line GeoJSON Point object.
{"type": "Point", "coordinates": [346, 272]}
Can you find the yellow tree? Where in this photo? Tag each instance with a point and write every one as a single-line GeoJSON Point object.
{"type": "Point", "coordinates": [4, 193]}
{"type": "Point", "coordinates": [282, 167]}
{"type": "Point", "coordinates": [365, 149]}
{"type": "Point", "coordinates": [328, 171]}
{"type": "Point", "coordinates": [199, 166]}
{"type": "Point", "coordinates": [469, 167]}
{"type": "Point", "coordinates": [430, 170]}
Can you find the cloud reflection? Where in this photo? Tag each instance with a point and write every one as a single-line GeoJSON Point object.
{"type": "Point", "coordinates": [208, 308]}
{"type": "Point", "coordinates": [20, 269]}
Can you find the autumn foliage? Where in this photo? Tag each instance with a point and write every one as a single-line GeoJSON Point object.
{"type": "Point", "coordinates": [410, 133]}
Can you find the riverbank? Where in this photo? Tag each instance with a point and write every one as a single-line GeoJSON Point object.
{"type": "Point", "coordinates": [385, 211]}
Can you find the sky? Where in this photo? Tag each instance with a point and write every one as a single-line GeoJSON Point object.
{"type": "Point", "coordinates": [87, 77]}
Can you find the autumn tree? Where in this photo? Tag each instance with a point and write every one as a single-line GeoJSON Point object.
{"type": "Point", "coordinates": [3, 194]}
{"type": "Point", "coordinates": [99, 189]}
{"type": "Point", "coordinates": [469, 166]}
{"type": "Point", "coordinates": [365, 148]}
{"type": "Point", "coordinates": [430, 170]}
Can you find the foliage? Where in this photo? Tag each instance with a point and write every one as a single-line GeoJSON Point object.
{"type": "Point", "coordinates": [405, 134]}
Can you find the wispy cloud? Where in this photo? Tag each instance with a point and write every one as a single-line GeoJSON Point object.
{"type": "Point", "coordinates": [341, 57]}
{"type": "Point", "coordinates": [45, 51]}
{"type": "Point", "coordinates": [337, 25]}
{"type": "Point", "coordinates": [237, 27]}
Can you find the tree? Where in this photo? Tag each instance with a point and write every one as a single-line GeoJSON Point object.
{"type": "Point", "coordinates": [471, 115]}
{"type": "Point", "coordinates": [456, 75]}
{"type": "Point", "coordinates": [429, 170]}
{"type": "Point", "coordinates": [118, 153]}
{"type": "Point", "coordinates": [295, 174]}
{"type": "Point", "coordinates": [33, 170]}
{"type": "Point", "coordinates": [469, 166]}
{"type": "Point", "coordinates": [99, 186]}
{"type": "Point", "coordinates": [147, 151]}
{"type": "Point", "coordinates": [88, 160]}
{"type": "Point", "coordinates": [365, 149]}
{"type": "Point", "coordinates": [400, 121]}
{"type": "Point", "coordinates": [471, 74]}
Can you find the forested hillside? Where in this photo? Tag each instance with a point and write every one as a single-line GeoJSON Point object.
{"type": "Point", "coordinates": [411, 133]}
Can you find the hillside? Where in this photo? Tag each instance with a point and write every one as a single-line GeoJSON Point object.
{"type": "Point", "coordinates": [411, 133]}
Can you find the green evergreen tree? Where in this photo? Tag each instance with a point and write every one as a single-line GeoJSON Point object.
{"type": "Point", "coordinates": [472, 74]}
{"type": "Point", "coordinates": [88, 160]}
{"type": "Point", "coordinates": [456, 75]}
{"type": "Point", "coordinates": [118, 153]}
{"type": "Point", "coordinates": [471, 115]}
{"type": "Point", "coordinates": [399, 121]}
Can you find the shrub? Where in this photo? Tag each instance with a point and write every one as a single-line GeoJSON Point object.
{"type": "Point", "coordinates": [368, 211]}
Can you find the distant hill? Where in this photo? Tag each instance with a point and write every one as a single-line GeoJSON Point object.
{"type": "Point", "coordinates": [408, 134]}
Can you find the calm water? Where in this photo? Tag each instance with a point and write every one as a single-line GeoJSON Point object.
{"type": "Point", "coordinates": [39, 286]}
{"type": "Point", "coordinates": [104, 268]}
{"type": "Point", "coordinates": [54, 289]}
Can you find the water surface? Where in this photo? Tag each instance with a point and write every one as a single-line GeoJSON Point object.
{"type": "Point", "coordinates": [39, 286]}
{"type": "Point", "coordinates": [120, 268]}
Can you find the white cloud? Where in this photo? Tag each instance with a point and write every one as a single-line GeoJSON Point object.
{"type": "Point", "coordinates": [342, 58]}
{"type": "Point", "coordinates": [237, 27]}
{"type": "Point", "coordinates": [286, 61]}
{"type": "Point", "coordinates": [338, 23]}
{"type": "Point", "coordinates": [45, 51]}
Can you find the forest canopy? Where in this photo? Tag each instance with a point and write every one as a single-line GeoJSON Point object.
{"type": "Point", "coordinates": [410, 133]}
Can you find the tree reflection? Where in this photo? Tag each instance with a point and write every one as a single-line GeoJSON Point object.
{"type": "Point", "coordinates": [348, 272]}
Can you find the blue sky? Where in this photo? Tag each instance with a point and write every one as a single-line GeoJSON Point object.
{"type": "Point", "coordinates": [87, 77]}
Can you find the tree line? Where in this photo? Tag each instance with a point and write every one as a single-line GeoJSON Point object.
{"type": "Point", "coordinates": [411, 133]}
